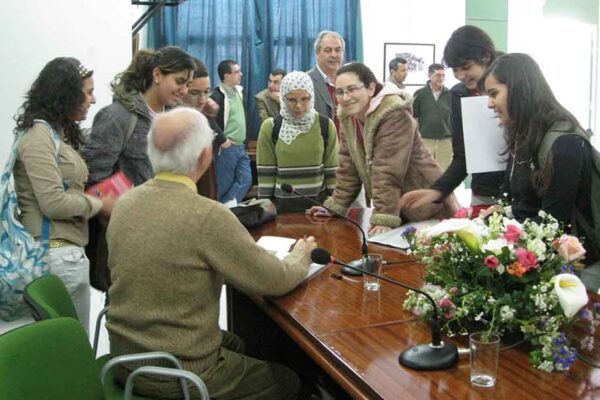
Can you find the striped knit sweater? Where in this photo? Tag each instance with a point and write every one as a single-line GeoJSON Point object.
{"type": "Point", "coordinates": [304, 164]}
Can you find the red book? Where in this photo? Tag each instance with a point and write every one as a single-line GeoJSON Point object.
{"type": "Point", "coordinates": [116, 185]}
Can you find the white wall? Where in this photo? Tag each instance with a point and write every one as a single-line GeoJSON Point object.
{"type": "Point", "coordinates": [97, 32]}
{"type": "Point", "coordinates": [408, 21]}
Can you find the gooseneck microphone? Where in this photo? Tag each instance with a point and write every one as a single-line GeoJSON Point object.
{"type": "Point", "coordinates": [431, 357]}
{"type": "Point", "coordinates": [357, 264]}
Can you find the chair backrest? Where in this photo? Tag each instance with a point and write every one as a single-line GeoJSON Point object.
{"type": "Point", "coordinates": [49, 360]}
{"type": "Point", "coordinates": [48, 298]}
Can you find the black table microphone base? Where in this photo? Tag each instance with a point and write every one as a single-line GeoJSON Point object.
{"type": "Point", "coordinates": [356, 264]}
{"type": "Point", "coordinates": [426, 357]}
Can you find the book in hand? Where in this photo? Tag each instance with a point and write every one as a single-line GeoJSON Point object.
{"type": "Point", "coordinates": [281, 246]}
{"type": "Point", "coordinates": [116, 185]}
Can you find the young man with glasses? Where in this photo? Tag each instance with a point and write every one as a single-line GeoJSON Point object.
{"type": "Point", "coordinates": [198, 97]}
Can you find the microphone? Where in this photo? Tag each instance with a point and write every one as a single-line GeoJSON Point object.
{"type": "Point", "coordinates": [434, 356]}
{"type": "Point", "coordinates": [357, 270]}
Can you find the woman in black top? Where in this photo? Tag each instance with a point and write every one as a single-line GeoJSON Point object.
{"type": "Point", "coordinates": [469, 52]}
{"type": "Point", "coordinates": [557, 181]}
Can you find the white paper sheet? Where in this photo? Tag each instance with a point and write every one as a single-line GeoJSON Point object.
{"type": "Point", "coordinates": [280, 247]}
{"type": "Point", "coordinates": [395, 237]}
{"type": "Point", "coordinates": [484, 140]}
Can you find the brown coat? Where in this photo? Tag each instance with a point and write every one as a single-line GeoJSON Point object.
{"type": "Point", "coordinates": [394, 161]}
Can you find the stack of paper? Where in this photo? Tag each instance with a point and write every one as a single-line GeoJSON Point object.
{"type": "Point", "coordinates": [395, 237]}
{"type": "Point", "coordinates": [281, 246]}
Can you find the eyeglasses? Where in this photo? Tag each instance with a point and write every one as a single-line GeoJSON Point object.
{"type": "Point", "coordinates": [303, 101]}
{"type": "Point", "coordinates": [200, 93]}
{"type": "Point", "coordinates": [350, 90]}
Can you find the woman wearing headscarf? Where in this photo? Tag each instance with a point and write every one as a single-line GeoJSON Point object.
{"type": "Point", "coordinates": [299, 148]}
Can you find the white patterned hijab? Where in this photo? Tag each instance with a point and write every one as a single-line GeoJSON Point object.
{"type": "Point", "coordinates": [290, 127]}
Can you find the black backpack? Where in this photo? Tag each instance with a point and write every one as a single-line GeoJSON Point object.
{"type": "Point", "coordinates": [591, 229]}
{"type": "Point", "coordinates": [323, 122]}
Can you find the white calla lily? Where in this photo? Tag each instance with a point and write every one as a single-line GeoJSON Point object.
{"type": "Point", "coordinates": [571, 293]}
{"type": "Point", "coordinates": [468, 230]}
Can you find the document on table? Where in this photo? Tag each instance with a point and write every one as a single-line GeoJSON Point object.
{"type": "Point", "coordinates": [280, 247]}
{"type": "Point", "coordinates": [395, 237]}
{"type": "Point", "coordinates": [483, 136]}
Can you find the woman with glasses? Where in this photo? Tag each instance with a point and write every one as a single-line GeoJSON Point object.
{"type": "Point", "coordinates": [299, 148]}
{"type": "Point", "coordinates": [381, 149]}
{"type": "Point", "coordinates": [198, 97]}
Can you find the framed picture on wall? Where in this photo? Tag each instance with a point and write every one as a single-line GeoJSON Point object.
{"type": "Point", "coordinates": [418, 56]}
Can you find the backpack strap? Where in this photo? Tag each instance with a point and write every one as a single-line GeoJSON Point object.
{"type": "Point", "coordinates": [323, 123]}
{"type": "Point", "coordinates": [45, 234]}
{"type": "Point", "coordinates": [549, 139]}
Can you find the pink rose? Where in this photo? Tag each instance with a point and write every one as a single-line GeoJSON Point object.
{"type": "Point", "coordinates": [446, 303]}
{"type": "Point", "coordinates": [512, 234]}
{"type": "Point", "coordinates": [463, 213]}
{"type": "Point", "coordinates": [491, 262]}
{"type": "Point", "coordinates": [569, 248]}
{"type": "Point", "coordinates": [526, 258]}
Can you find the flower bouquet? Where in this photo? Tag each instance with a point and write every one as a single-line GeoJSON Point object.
{"type": "Point", "coordinates": [510, 277]}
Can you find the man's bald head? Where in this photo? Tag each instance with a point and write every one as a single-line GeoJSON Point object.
{"type": "Point", "coordinates": [176, 139]}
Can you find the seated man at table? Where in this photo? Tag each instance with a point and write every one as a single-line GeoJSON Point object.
{"type": "Point", "coordinates": [170, 251]}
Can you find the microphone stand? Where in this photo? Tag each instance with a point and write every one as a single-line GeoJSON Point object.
{"type": "Point", "coordinates": [434, 356]}
{"type": "Point", "coordinates": [356, 268]}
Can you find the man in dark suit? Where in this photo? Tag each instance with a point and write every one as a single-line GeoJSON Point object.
{"type": "Point", "coordinates": [329, 50]}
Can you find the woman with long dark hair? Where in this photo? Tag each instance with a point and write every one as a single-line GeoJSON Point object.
{"type": "Point", "coordinates": [549, 154]}
{"type": "Point", "coordinates": [381, 149]}
{"type": "Point", "coordinates": [50, 175]}
{"type": "Point", "coordinates": [153, 81]}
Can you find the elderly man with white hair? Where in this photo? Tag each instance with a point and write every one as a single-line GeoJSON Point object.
{"type": "Point", "coordinates": [170, 251]}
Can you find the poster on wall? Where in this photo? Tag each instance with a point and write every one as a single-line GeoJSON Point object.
{"type": "Point", "coordinates": [418, 56]}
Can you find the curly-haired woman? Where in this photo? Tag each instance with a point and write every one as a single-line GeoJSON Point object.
{"type": "Point", "coordinates": [50, 175]}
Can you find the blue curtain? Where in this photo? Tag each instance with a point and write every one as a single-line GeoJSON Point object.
{"type": "Point", "coordinates": [259, 34]}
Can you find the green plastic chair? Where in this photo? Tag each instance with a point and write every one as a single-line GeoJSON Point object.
{"type": "Point", "coordinates": [53, 360]}
{"type": "Point", "coordinates": [49, 299]}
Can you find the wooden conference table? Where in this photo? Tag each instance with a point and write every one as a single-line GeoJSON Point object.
{"type": "Point", "coordinates": [356, 336]}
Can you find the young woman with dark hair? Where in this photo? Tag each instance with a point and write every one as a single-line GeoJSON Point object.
{"type": "Point", "coordinates": [558, 183]}
{"type": "Point", "coordinates": [50, 175]}
{"type": "Point", "coordinates": [381, 149]}
{"type": "Point", "coordinates": [153, 81]}
{"type": "Point", "coordinates": [469, 51]}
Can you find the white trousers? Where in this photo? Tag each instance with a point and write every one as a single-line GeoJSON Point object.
{"type": "Point", "coordinates": [73, 267]}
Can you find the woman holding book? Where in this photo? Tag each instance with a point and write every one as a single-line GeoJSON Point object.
{"type": "Point", "coordinates": [50, 175]}
{"type": "Point", "coordinates": [154, 80]}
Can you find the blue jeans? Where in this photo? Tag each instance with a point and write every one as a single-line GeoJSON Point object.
{"type": "Point", "coordinates": [232, 169]}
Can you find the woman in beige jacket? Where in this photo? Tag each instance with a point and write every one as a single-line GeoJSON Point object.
{"type": "Point", "coordinates": [49, 174]}
{"type": "Point", "coordinates": [381, 148]}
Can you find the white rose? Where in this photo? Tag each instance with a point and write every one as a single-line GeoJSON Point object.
{"type": "Point", "coordinates": [495, 246]}
{"type": "Point", "coordinates": [537, 247]}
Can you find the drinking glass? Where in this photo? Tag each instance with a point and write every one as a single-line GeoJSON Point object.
{"type": "Point", "coordinates": [484, 358]}
{"type": "Point", "coordinates": [373, 263]}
